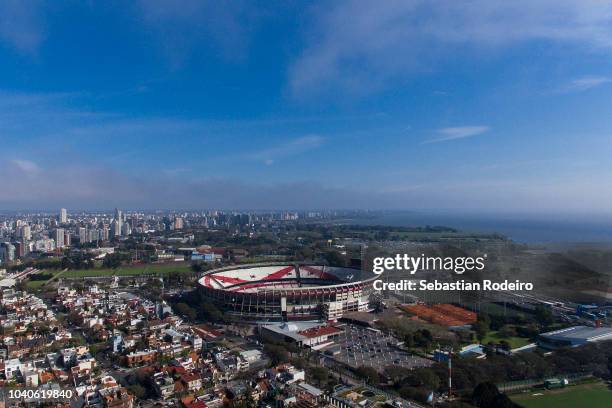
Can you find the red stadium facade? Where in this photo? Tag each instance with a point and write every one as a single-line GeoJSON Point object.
{"type": "Point", "coordinates": [283, 292]}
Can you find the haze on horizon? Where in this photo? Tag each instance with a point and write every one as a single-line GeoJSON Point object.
{"type": "Point", "coordinates": [485, 106]}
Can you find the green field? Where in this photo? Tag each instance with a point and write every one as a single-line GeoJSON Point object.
{"type": "Point", "coordinates": [159, 269]}
{"type": "Point", "coordinates": [498, 310]}
{"type": "Point", "coordinates": [163, 269]}
{"type": "Point", "coordinates": [515, 342]}
{"type": "Point", "coordinates": [596, 395]}
{"type": "Point", "coordinates": [34, 285]}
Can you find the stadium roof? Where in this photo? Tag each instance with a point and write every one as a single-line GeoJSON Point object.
{"type": "Point", "coordinates": [253, 278]}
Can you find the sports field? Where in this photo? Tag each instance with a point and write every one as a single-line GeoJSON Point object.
{"type": "Point", "coordinates": [154, 269]}
{"type": "Point", "coordinates": [596, 395]}
{"type": "Point", "coordinates": [149, 269]}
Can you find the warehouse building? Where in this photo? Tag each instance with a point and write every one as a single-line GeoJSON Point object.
{"type": "Point", "coordinates": [573, 337]}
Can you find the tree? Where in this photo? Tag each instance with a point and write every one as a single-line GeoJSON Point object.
{"type": "Point", "coordinates": [299, 362]}
{"type": "Point", "coordinates": [484, 395]}
{"type": "Point", "coordinates": [94, 349]}
{"type": "Point", "coordinates": [66, 263]}
{"type": "Point", "coordinates": [184, 309]}
{"type": "Point", "coordinates": [112, 261]}
{"type": "Point", "coordinates": [319, 374]}
{"type": "Point", "coordinates": [211, 312]}
{"type": "Point", "coordinates": [138, 391]}
{"type": "Point", "coordinates": [369, 374]}
{"type": "Point", "coordinates": [544, 315]}
{"type": "Point", "coordinates": [481, 327]}
{"type": "Point", "coordinates": [507, 331]}
{"type": "Point", "coordinates": [397, 374]}
{"type": "Point", "coordinates": [277, 353]}
{"type": "Point", "coordinates": [426, 379]}
{"type": "Point", "coordinates": [413, 393]}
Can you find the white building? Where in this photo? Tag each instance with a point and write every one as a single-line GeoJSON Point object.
{"type": "Point", "coordinates": [59, 238]}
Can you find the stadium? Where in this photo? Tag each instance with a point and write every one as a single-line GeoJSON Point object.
{"type": "Point", "coordinates": [284, 292]}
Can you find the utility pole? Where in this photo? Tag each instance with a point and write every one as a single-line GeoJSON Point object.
{"type": "Point", "coordinates": [450, 372]}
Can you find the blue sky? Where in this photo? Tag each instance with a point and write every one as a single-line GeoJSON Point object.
{"type": "Point", "coordinates": [467, 106]}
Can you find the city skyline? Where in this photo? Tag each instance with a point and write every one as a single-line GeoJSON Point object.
{"type": "Point", "coordinates": [275, 106]}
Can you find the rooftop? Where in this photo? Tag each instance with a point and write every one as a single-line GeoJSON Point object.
{"type": "Point", "coordinates": [584, 333]}
{"type": "Point", "coordinates": [319, 331]}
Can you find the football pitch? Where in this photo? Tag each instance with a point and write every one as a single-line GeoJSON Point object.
{"type": "Point", "coordinates": [594, 395]}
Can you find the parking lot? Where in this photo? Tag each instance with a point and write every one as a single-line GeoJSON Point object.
{"type": "Point", "coordinates": [360, 346]}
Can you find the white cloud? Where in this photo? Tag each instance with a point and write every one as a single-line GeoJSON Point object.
{"type": "Point", "coordinates": [290, 148]}
{"type": "Point", "coordinates": [357, 45]}
{"type": "Point", "coordinates": [26, 166]}
{"type": "Point", "coordinates": [459, 132]}
{"type": "Point", "coordinates": [585, 83]}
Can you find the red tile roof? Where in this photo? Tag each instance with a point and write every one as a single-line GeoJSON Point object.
{"type": "Point", "coordinates": [189, 377]}
{"type": "Point", "coordinates": [197, 404]}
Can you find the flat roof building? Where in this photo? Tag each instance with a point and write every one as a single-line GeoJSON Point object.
{"type": "Point", "coordinates": [573, 337]}
{"type": "Point", "coordinates": [304, 334]}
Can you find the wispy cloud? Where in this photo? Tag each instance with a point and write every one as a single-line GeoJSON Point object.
{"type": "Point", "coordinates": [175, 171]}
{"type": "Point", "coordinates": [296, 146]}
{"type": "Point", "coordinates": [26, 166]}
{"type": "Point", "coordinates": [396, 38]}
{"type": "Point", "coordinates": [96, 187]}
{"type": "Point", "coordinates": [21, 25]}
{"type": "Point", "coordinates": [585, 83]}
{"type": "Point", "coordinates": [183, 25]}
{"type": "Point", "coordinates": [458, 132]}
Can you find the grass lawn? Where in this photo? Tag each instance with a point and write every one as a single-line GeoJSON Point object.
{"type": "Point", "coordinates": [595, 395]}
{"type": "Point", "coordinates": [164, 269]}
{"type": "Point", "coordinates": [514, 342]}
{"type": "Point", "coordinates": [499, 310]}
{"type": "Point", "coordinates": [34, 285]}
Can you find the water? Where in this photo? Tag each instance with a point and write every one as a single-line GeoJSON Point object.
{"type": "Point", "coordinates": [520, 228]}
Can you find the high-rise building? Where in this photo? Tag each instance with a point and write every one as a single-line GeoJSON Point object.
{"type": "Point", "coordinates": [83, 235]}
{"type": "Point", "coordinates": [105, 233]}
{"type": "Point", "coordinates": [24, 232]}
{"type": "Point", "coordinates": [59, 238]}
{"type": "Point", "coordinates": [178, 223]}
{"type": "Point", "coordinates": [7, 252]}
{"type": "Point", "coordinates": [94, 235]}
{"type": "Point", "coordinates": [118, 221]}
{"type": "Point", "coordinates": [20, 249]}
{"type": "Point", "coordinates": [116, 228]}
{"type": "Point", "coordinates": [63, 218]}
